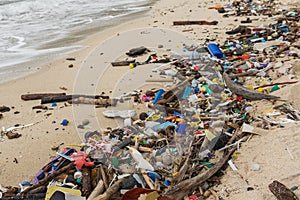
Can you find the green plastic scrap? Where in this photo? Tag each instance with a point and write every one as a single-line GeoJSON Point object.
{"type": "Point", "coordinates": [274, 88]}
{"type": "Point", "coordinates": [115, 162]}
{"type": "Point", "coordinates": [207, 164]}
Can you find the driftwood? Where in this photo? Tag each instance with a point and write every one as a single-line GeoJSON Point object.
{"type": "Point", "coordinates": [281, 192]}
{"type": "Point", "coordinates": [97, 190]}
{"type": "Point", "coordinates": [56, 99]}
{"type": "Point", "coordinates": [47, 179]}
{"type": "Point", "coordinates": [173, 93]}
{"type": "Point", "coordinates": [282, 83]}
{"type": "Point", "coordinates": [98, 102]}
{"type": "Point", "coordinates": [86, 181]}
{"type": "Point", "coordinates": [137, 51]}
{"type": "Point", "coordinates": [282, 49]}
{"type": "Point", "coordinates": [43, 107]}
{"type": "Point", "coordinates": [147, 179]}
{"type": "Point", "coordinates": [104, 177]}
{"type": "Point", "coordinates": [168, 97]}
{"type": "Point", "coordinates": [110, 191]}
{"type": "Point", "coordinates": [245, 92]}
{"type": "Point", "coordinates": [182, 189]}
{"type": "Point", "coordinates": [160, 80]}
{"type": "Point", "coordinates": [122, 63]}
{"type": "Point", "coordinates": [27, 97]}
{"type": "Point", "coordinates": [63, 98]}
{"type": "Point", "coordinates": [248, 73]}
{"type": "Point", "coordinates": [200, 22]}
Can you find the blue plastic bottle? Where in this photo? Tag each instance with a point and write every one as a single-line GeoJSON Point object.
{"type": "Point", "coordinates": [215, 50]}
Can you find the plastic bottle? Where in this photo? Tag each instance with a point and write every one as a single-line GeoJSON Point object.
{"type": "Point", "coordinates": [215, 50]}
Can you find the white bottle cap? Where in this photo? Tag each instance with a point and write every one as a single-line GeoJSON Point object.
{"type": "Point", "coordinates": [77, 175]}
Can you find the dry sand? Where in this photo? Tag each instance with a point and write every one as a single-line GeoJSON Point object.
{"type": "Point", "coordinates": [92, 74]}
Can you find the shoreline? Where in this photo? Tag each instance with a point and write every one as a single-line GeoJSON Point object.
{"type": "Point", "coordinates": [77, 40]}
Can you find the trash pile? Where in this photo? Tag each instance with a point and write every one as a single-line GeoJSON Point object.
{"type": "Point", "coordinates": [176, 149]}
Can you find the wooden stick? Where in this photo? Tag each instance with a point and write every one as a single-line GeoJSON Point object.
{"type": "Point", "coordinates": [173, 92]}
{"type": "Point", "coordinates": [281, 50]}
{"type": "Point", "coordinates": [110, 191]}
{"type": "Point", "coordinates": [86, 181]}
{"type": "Point", "coordinates": [97, 191]}
{"type": "Point", "coordinates": [104, 177]}
{"type": "Point", "coordinates": [47, 179]}
{"type": "Point", "coordinates": [249, 73]}
{"type": "Point", "coordinates": [63, 98]}
{"type": "Point", "coordinates": [147, 179]}
{"type": "Point", "coordinates": [200, 22]}
{"type": "Point", "coordinates": [282, 83]}
{"type": "Point", "coordinates": [27, 97]}
{"type": "Point", "coordinates": [160, 80]}
{"type": "Point", "coordinates": [98, 102]}
{"type": "Point", "coordinates": [180, 176]}
{"type": "Point", "coordinates": [215, 195]}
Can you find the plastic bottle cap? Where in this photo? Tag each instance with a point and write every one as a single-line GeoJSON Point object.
{"type": "Point", "coordinates": [77, 175]}
{"type": "Point", "coordinates": [167, 182]}
{"type": "Point", "coordinates": [131, 66]}
{"type": "Point", "coordinates": [251, 87]}
{"type": "Point", "coordinates": [64, 122]}
{"type": "Point", "coordinates": [259, 89]}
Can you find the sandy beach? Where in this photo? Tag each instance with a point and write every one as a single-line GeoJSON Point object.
{"type": "Point", "coordinates": [276, 151]}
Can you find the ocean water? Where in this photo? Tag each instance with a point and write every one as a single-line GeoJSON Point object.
{"type": "Point", "coordinates": [34, 29]}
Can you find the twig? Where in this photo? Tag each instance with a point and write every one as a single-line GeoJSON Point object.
{"type": "Point", "coordinates": [97, 191]}
{"type": "Point", "coordinates": [215, 195]}
{"type": "Point", "coordinates": [179, 177]}
{"type": "Point", "coordinates": [236, 143]}
{"type": "Point", "coordinates": [147, 179]}
{"type": "Point", "coordinates": [251, 73]}
{"type": "Point", "coordinates": [48, 178]}
{"type": "Point", "coordinates": [291, 176]}
{"type": "Point", "coordinates": [104, 177]}
{"type": "Point", "coordinates": [86, 181]}
{"type": "Point", "coordinates": [282, 83]}
{"type": "Point", "coordinates": [110, 191]}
